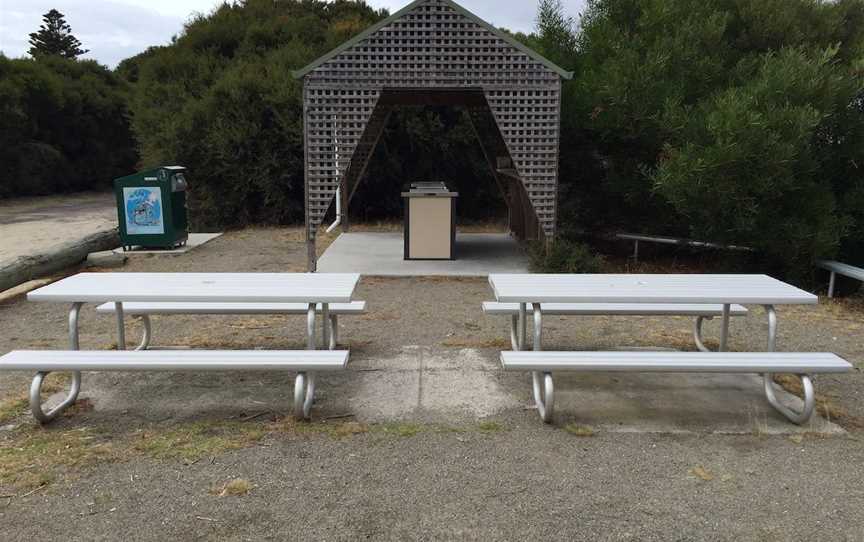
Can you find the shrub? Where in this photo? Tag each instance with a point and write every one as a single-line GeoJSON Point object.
{"type": "Point", "coordinates": [222, 101]}
{"type": "Point", "coordinates": [64, 127]}
{"type": "Point", "coordinates": [736, 121]}
{"type": "Point", "coordinates": [564, 257]}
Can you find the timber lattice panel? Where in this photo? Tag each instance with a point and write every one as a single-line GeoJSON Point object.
{"type": "Point", "coordinates": [432, 46]}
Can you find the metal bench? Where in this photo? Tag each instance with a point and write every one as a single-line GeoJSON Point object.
{"type": "Point", "coordinates": [840, 268]}
{"type": "Point", "coordinates": [542, 364]}
{"type": "Point", "coordinates": [305, 362]}
{"type": "Point", "coordinates": [143, 311]}
{"type": "Point", "coordinates": [702, 312]}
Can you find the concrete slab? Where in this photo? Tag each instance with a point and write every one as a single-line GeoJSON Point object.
{"type": "Point", "coordinates": [381, 254]}
{"type": "Point", "coordinates": [195, 240]}
{"type": "Point", "coordinates": [458, 386]}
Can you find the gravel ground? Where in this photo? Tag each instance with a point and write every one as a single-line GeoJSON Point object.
{"type": "Point", "coordinates": [160, 462]}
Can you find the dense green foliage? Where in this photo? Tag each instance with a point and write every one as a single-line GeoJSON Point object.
{"type": "Point", "coordinates": [564, 256]}
{"type": "Point", "coordinates": [55, 38]}
{"type": "Point", "coordinates": [222, 101]}
{"type": "Point", "coordinates": [64, 126]}
{"type": "Point", "coordinates": [735, 121]}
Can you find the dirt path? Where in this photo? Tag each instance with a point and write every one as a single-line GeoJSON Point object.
{"type": "Point", "coordinates": [35, 225]}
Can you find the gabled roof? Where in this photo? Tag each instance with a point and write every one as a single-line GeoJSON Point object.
{"type": "Point", "coordinates": [459, 9]}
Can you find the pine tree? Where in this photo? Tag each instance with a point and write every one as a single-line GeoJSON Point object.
{"type": "Point", "coordinates": [55, 38]}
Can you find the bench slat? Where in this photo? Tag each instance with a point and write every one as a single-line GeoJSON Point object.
{"type": "Point", "coordinates": [629, 309]}
{"type": "Point", "coordinates": [134, 308]}
{"type": "Point", "coordinates": [175, 360]}
{"type": "Point", "coordinates": [673, 362]}
{"type": "Point", "coordinates": [843, 269]}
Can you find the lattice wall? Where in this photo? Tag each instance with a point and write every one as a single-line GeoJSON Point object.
{"type": "Point", "coordinates": [433, 44]}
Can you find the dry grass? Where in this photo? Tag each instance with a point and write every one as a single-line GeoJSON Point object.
{"type": "Point", "coordinates": [13, 407]}
{"type": "Point", "coordinates": [32, 456]}
{"type": "Point", "coordinates": [233, 488]}
{"type": "Point", "coordinates": [579, 430]}
{"type": "Point", "coordinates": [476, 342]}
{"type": "Point", "coordinates": [379, 316]}
{"type": "Point", "coordinates": [702, 473]}
{"type": "Point", "coordinates": [825, 406]}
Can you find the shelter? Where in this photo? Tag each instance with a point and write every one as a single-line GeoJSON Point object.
{"type": "Point", "coordinates": [434, 52]}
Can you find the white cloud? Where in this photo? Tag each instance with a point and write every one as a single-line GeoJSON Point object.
{"type": "Point", "coordinates": [117, 29]}
{"type": "Point", "coordinates": [111, 30]}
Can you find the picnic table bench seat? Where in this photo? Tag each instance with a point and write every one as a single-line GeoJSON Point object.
{"type": "Point", "coordinates": [543, 363]}
{"type": "Point", "coordinates": [844, 269]}
{"type": "Point", "coordinates": [701, 311]}
{"type": "Point", "coordinates": [305, 362]}
{"type": "Point", "coordinates": [143, 310]}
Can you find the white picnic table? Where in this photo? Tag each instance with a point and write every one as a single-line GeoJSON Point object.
{"type": "Point", "coordinates": [725, 290]}
{"type": "Point", "coordinates": [118, 288]}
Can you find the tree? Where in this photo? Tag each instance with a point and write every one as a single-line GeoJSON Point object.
{"type": "Point", "coordinates": [733, 121]}
{"type": "Point", "coordinates": [556, 36]}
{"type": "Point", "coordinates": [55, 38]}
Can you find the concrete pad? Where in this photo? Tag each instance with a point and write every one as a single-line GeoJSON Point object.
{"type": "Point", "coordinates": [461, 386]}
{"type": "Point", "coordinates": [674, 403]}
{"type": "Point", "coordinates": [381, 254]}
{"type": "Point", "coordinates": [195, 240]}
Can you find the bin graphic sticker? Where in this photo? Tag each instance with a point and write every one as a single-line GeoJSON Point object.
{"type": "Point", "coordinates": [143, 210]}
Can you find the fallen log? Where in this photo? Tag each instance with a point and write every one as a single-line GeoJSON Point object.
{"type": "Point", "coordinates": [33, 266]}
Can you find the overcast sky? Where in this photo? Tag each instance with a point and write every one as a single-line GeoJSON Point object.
{"type": "Point", "coordinates": [117, 29]}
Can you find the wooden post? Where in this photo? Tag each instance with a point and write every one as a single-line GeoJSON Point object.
{"type": "Point", "coordinates": [311, 254]}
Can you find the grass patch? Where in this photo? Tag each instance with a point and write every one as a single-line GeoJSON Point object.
{"type": "Point", "coordinates": [31, 458]}
{"type": "Point", "coordinates": [579, 430]}
{"type": "Point", "coordinates": [195, 441]}
{"type": "Point", "coordinates": [491, 427]}
{"type": "Point", "coordinates": [401, 429]}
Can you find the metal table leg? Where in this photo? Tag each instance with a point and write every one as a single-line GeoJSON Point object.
{"type": "Point", "coordinates": [304, 384]}
{"type": "Point", "coordinates": [697, 333]}
{"type": "Point", "coordinates": [310, 327]}
{"type": "Point", "coordinates": [724, 331]}
{"type": "Point", "coordinates": [325, 326]}
{"type": "Point", "coordinates": [36, 386]}
{"type": "Point", "coordinates": [121, 326]}
{"type": "Point", "coordinates": [768, 380]}
{"type": "Point", "coordinates": [541, 383]}
{"type": "Point", "coordinates": [523, 324]}
{"type": "Point", "coordinates": [334, 331]}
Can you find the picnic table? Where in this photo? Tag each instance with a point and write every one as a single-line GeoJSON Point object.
{"type": "Point", "coordinates": [725, 290]}
{"type": "Point", "coordinates": [317, 291]}
{"type": "Point", "coordinates": [117, 288]}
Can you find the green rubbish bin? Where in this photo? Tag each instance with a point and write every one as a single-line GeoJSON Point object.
{"type": "Point", "coordinates": [151, 208]}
